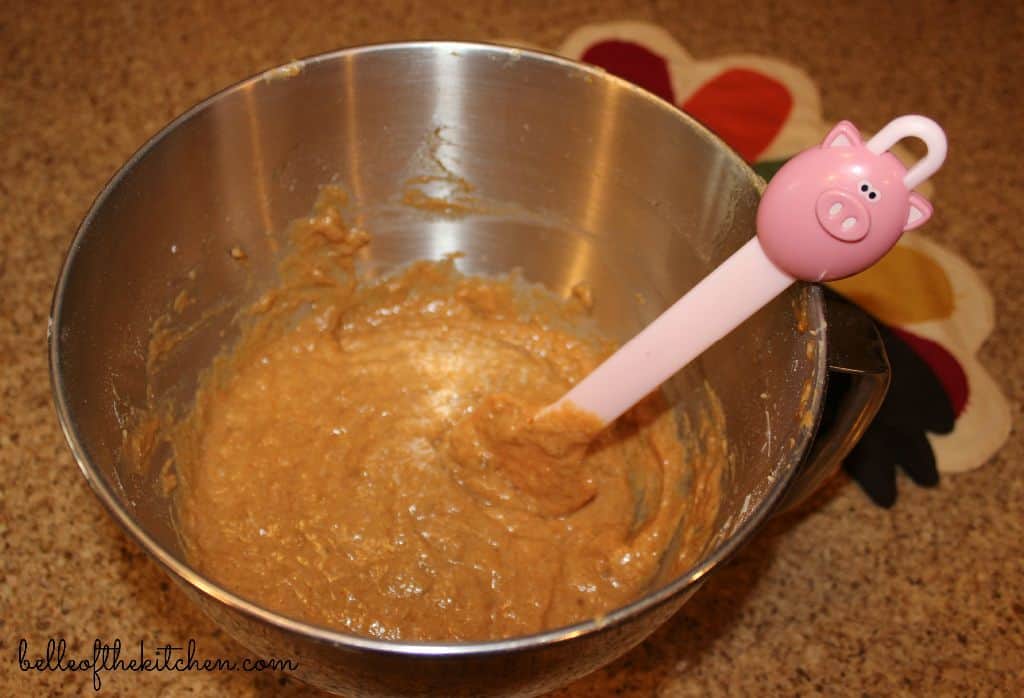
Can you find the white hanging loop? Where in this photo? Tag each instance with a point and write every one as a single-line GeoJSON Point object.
{"type": "Point", "coordinates": [920, 127]}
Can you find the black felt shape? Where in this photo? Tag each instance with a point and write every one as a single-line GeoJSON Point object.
{"type": "Point", "coordinates": [915, 404]}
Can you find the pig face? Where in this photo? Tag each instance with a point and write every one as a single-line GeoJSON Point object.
{"type": "Point", "coordinates": [836, 209]}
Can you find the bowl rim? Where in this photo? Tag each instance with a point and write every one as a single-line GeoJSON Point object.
{"type": "Point", "coordinates": [185, 573]}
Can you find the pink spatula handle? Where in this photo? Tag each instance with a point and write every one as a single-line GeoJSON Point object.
{"type": "Point", "coordinates": [832, 211]}
{"type": "Point", "coordinates": [710, 310]}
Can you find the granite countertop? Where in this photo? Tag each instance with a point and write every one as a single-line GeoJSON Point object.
{"type": "Point", "coordinates": [837, 597]}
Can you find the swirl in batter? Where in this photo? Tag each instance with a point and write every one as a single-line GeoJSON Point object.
{"type": "Point", "coordinates": [366, 457]}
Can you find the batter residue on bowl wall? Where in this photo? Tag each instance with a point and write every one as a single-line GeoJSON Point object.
{"type": "Point", "coordinates": [364, 458]}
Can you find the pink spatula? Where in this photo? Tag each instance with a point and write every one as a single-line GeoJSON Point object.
{"type": "Point", "coordinates": [830, 212]}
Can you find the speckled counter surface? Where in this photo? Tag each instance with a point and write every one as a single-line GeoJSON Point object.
{"type": "Point", "coordinates": [837, 598]}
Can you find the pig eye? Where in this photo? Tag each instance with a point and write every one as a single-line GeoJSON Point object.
{"type": "Point", "coordinates": [867, 191]}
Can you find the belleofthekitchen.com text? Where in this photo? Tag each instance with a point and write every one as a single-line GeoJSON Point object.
{"type": "Point", "coordinates": [116, 657]}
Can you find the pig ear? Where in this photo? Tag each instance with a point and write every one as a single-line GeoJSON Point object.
{"type": "Point", "coordinates": [920, 211]}
{"type": "Point", "coordinates": [843, 135]}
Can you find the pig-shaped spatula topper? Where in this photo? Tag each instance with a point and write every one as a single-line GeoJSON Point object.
{"type": "Point", "coordinates": [836, 209]}
{"type": "Point", "coordinates": [830, 212]}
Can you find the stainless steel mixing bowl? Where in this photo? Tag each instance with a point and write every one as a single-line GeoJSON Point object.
{"type": "Point", "coordinates": [584, 177]}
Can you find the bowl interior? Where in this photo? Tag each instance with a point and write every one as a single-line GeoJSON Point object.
{"type": "Point", "coordinates": [570, 175]}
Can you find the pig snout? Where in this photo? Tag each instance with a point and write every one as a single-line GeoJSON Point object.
{"type": "Point", "coordinates": [842, 215]}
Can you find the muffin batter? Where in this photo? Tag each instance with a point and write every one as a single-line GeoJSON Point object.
{"type": "Point", "coordinates": [366, 458]}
